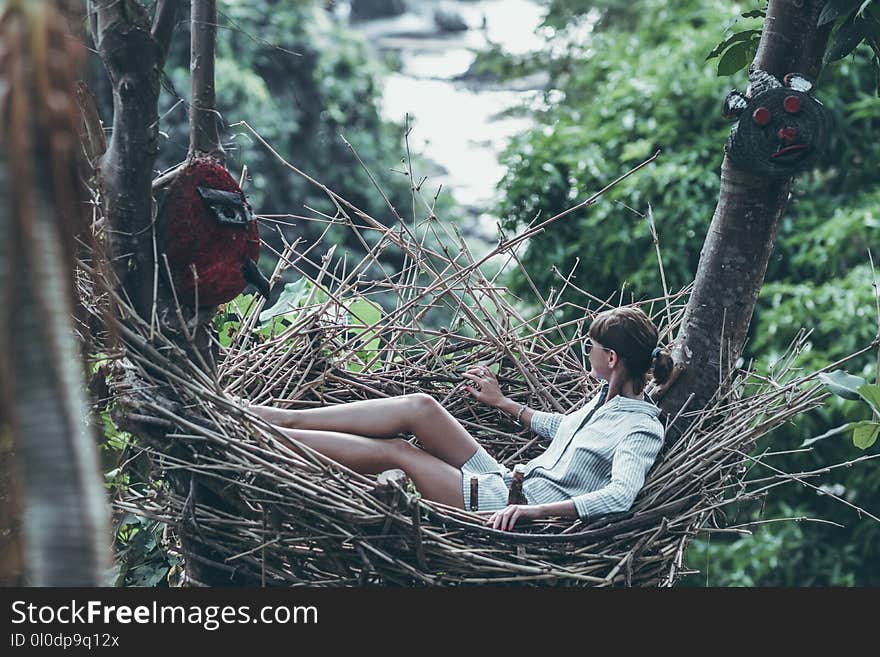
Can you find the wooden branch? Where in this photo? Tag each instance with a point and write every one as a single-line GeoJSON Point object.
{"type": "Point", "coordinates": [96, 141]}
{"type": "Point", "coordinates": [164, 22]}
{"type": "Point", "coordinates": [204, 134]}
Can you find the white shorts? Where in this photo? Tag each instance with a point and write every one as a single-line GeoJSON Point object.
{"type": "Point", "coordinates": [493, 481]}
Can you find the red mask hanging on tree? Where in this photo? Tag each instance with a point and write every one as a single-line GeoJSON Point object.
{"type": "Point", "coordinates": [208, 224]}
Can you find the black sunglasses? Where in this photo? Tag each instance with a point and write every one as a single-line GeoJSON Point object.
{"type": "Point", "coordinates": [588, 346]}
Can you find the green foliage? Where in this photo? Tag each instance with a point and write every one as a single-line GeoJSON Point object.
{"type": "Point", "coordinates": [293, 297]}
{"type": "Point", "coordinates": [838, 311]}
{"type": "Point", "coordinates": [853, 387]}
{"type": "Point", "coordinates": [842, 384]}
{"type": "Point", "coordinates": [366, 312]}
{"type": "Point", "coordinates": [618, 110]}
{"type": "Point", "coordinates": [360, 314]}
{"type": "Point", "coordinates": [737, 51]}
{"type": "Point", "coordinates": [141, 559]}
{"type": "Point", "coordinates": [856, 22]}
{"type": "Point", "coordinates": [776, 554]}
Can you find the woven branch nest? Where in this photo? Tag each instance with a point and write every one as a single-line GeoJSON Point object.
{"type": "Point", "coordinates": [268, 511]}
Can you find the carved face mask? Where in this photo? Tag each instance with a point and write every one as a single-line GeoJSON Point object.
{"type": "Point", "coordinates": [780, 129]}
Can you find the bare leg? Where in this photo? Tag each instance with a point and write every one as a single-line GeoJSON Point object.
{"type": "Point", "coordinates": [436, 480]}
{"type": "Point", "coordinates": [419, 414]}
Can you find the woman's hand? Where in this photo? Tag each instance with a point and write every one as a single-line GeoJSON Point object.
{"type": "Point", "coordinates": [507, 517]}
{"type": "Point", "coordinates": [488, 391]}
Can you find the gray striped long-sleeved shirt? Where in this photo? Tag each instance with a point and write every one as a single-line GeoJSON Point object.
{"type": "Point", "coordinates": [601, 466]}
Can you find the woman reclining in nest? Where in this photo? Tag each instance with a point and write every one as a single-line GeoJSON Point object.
{"type": "Point", "coordinates": [595, 465]}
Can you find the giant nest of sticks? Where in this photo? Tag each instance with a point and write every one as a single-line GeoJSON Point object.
{"type": "Point", "coordinates": [267, 511]}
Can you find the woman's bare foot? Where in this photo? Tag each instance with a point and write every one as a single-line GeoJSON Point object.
{"type": "Point", "coordinates": [280, 417]}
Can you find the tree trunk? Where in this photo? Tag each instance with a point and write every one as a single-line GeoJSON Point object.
{"type": "Point", "coordinates": [11, 548]}
{"type": "Point", "coordinates": [64, 510]}
{"type": "Point", "coordinates": [133, 51]}
{"type": "Point", "coordinates": [737, 248]}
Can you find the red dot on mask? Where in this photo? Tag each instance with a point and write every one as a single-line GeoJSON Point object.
{"type": "Point", "coordinates": [761, 116]}
{"type": "Point", "coordinates": [792, 104]}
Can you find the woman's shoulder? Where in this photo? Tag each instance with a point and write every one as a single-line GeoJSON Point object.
{"type": "Point", "coordinates": [644, 417]}
{"type": "Point", "coordinates": [651, 426]}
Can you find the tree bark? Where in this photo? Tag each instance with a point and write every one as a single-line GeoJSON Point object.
{"type": "Point", "coordinates": [740, 239]}
{"type": "Point", "coordinates": [64, 510]}
{"type": "Point", "coordinates": [11, 548]}
{"type": "Point", "coordinates": [204, 134]}
{"type": "Point", "coordinates": [133, 50]}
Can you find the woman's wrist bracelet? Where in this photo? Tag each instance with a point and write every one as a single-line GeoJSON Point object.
{"type": "Point", "coordinates": [522, 408]}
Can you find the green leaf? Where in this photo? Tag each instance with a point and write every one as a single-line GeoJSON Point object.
{"type": "Point", "coordinates": [734, 58]}
{"type": "Point", "coordinates": [846, 38]}
{"type": "Point", "coordinates": [226, 333]}
{"type": "Point", "coordinates": [834, 9]}
{"type": "Point", "coordinates": [871, 393]}
{"type": "Point", "coordinates": [293, 295]}
{"type": "Point", "coordinates": [842, 384]}
{"type": "Point", "coordinates": [364, 311]}
{"type": "Point", "coordinates": [865, 433]}
{"type": "Point", "coordinates": [273, 328]}
{"type": "Point", "coordinates": [746, 35]}
{"type": "Point", "coordinates": [755, 13]}
{"type": "Point", "coordinates": [240, 304]}
{"type": "Point", "coordinates": [827, 434]}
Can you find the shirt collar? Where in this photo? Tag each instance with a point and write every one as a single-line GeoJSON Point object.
{"type": "Point", "coordinates": [628, 405]}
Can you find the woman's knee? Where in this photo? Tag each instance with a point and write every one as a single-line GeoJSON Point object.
{"type": "Point", "coordinates": [423, 404]}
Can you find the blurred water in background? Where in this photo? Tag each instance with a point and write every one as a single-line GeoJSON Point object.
{"type": "Point", "coordinates": [458, 121]}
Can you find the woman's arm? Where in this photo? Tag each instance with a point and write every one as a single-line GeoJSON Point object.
{"type": "Point", "coordinates": [511, 407]}
{"type": "Point", "coordinates": [489, 392]}
{"type": "Point", "coordinates": [632, 460]}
